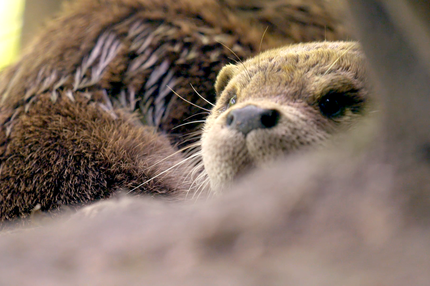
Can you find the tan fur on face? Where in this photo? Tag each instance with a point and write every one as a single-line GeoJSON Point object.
{"type": "Point", "coordinates": [291, 80]}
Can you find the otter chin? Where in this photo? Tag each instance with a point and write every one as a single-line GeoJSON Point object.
{"type": "Point", "coordinates": [282, 101]}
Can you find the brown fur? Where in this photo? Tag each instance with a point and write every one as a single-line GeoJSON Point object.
{"type": "Point", "coordinates": [71, 152]}
{"type": "Point", "coordinates": [110, 58]}
{"type": "Point", "coordinates": [292, 81]}
{"type": "Point", "coordinates": [340, 218]}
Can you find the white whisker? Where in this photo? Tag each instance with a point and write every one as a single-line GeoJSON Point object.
{"type": "Point", "coordinates": [201, 96]}
{"type": "Point", "coordinates": [240, 61]}
{"type": "Point", "coordinates": [190, 139]}
{"type": "Point", "coordinates": [325, 33]}
{"type": "Point", "coordinates": [193, 161]}
{"type": "Point", "coordinates": [165, 171]}
{"type": "Point", "coordinates": [187, 123]}
{"type": "Point", "coordinates": [187, 100]}
{"type": "Point", "coordinates": [202, 188]}
{"type": "Point", "coordinates": [197, 114]}
{"type": "Point", "coordinates": [199, 180]}
{"type": "Point", "coordinates": [261, 44]}
{"type": "Point", "coordinates": [347, 50]}
{"type": "Point", "coordinates": [171, 155]}
{"type": "Point", "coordinates": [192, 136]}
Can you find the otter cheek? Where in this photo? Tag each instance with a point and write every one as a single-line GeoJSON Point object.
{"type": "Point", "coordinates": [294, 132]}
{"type": "Point", "coordinates": [224, 155]}
{"type": "Point", "coordinates": [266, 146]}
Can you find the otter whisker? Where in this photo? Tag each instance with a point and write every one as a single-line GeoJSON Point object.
{"type": "Point", "coordinates": [239, 60]}
{"type": "Point", "coordinates": [206, 187]}
{"type": "Point", "coordinates": [190, 139]}
{"type": "Point", "coordinates": [261, 44]}
{"type": "Point", "coordinates": [200, 176]}
{"type": "Point", "coordinates": [199, 183]}
{"type": "Point", "coordinates": [195, 183]}
{"type": "Point", "coordinates": [156, 176]}
{"type": "Point", "coordinates": [201, 95]}
{"type": "Point", "coordinates": [211, 194]}
{"type": "Point", "coordinates": [332, 65]}
{"type": "Point", "coordinates": [325, 33]}
{"type": "Point", "coordinates": [171, 155]}
{"type": "Point", "coordinates": [199, 167]}
{"type": "Point", "coordinates": [201, 189]}
{"type": "Point", "coordinates": [194, 150]}
{"type": "Point", "coordinates": [187, 123]}
{"type": "Point", "coordinates": [195, 162]}
{"type": "Point", "coordinates": [196, 133]}
{"type": "Point", "coordinates": [196, 169]}
{"type": "Point", "coordinates": [197, 114]}
{"type": "Point", "coordinates": [240, 63]}
{"type": "Point", "coordinates": [192, 136]}
{"type": "Point", "coordinates": [187, 100]}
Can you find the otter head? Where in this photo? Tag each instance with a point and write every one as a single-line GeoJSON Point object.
{"type": "Point", "coordinates": [281, 101]}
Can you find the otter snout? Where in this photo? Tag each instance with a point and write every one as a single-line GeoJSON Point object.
{"type": "Point", "coordinates": [251, 117]}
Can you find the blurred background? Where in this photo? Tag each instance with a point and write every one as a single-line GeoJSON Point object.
{"type": "Point", "coordinates": [20, 20]}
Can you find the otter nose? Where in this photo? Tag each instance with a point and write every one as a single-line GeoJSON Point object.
{"type": "Point", "coordinates": [251, 117]}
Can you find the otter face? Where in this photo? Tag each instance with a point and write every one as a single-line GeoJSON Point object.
{"type": "Point", "coordinates": [281, 101]}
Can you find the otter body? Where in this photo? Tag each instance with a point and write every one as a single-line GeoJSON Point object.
{"type": "Point", "coordinates": [67, 134]}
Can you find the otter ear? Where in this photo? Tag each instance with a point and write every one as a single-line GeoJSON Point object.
{"type": "Point", "coordinates": [224, 78]}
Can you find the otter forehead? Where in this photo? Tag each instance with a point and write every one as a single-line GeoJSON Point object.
{"type": "Point", "coordinates": [304, 71]}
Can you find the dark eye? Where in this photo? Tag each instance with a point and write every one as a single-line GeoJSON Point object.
{"type": "Point", "coordinates": [331, 105]}
{"type": "Point", "coordinates": [334, 103]}
{"type": "Point", "coordinates": [232, 101]}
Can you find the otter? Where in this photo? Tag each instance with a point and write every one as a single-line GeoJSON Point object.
{"type": "Point", "coordinates": [90, 106]}
{"type": "Point", "coordinates": [283, 101]}
{"type": "Point", "coordinates": [354, 216]}
{"type": "Point", "coordinates": [279, 102]}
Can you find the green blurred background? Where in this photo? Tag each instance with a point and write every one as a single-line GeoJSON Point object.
{"type": "Point", "coordinates": [20, 20]}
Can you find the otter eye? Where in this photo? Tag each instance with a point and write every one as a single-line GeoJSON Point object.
{"type": "Point", "coordinates": [334, 104]}
{"type": "Point", "coordinates": [331, 105]}
{"type": "Point", "coordinates": [232, 101]}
